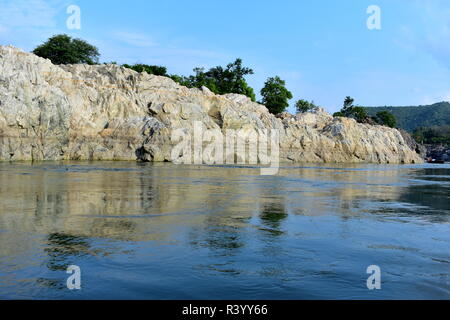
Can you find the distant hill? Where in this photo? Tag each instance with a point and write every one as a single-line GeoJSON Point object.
{"type": "Point", "coordinates": [410, 118]}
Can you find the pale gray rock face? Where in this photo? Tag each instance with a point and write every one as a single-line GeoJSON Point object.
{"type": "Point", "coordinates": [106, 112]}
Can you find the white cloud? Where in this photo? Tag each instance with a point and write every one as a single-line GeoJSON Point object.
{"type": "Point", "coordinates": [29, 13]}
{"type": "Point", "coordinates": [426, 100]}
{"type": "Point", "coordinates": [26, 23]}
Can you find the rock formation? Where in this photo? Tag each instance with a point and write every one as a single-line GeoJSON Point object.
{"type": "Point", "coordinates": [107, 112]}
{"type": "Point", "coordinates": [438, 152]}
{"type": "Point", "coordinates": [413, 144]}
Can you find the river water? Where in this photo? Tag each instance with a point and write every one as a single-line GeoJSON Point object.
{"type": "Point", "coordinates": [162, 231]}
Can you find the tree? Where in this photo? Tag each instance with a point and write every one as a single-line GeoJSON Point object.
{"type": "Point", "coordinates": [156, 70]}
{"type": "Point", "coordinates": [348, 103]}
{"type": "Point", "coordinates": [206, 79]}
{"type": "Point", "coordinates": [386, 118]}
{"type": "Point", "coordinates": [62, 49]}
{"type": "Point", "coordinates": [221, 80]}
{"type": "Point", "coordinates": [181, 80]}
{"type": "Point", "coordinates": [350, 111]}
{"type": "Point", "coordinates": [433, 135]}
{"type": "Point", "coordinates": [275, 96]}
{"type": "Point", "coordinates": [346, 109]}
{"type": "Point", "coordinates": [303, 106]}
{"type": "Point", "coordinates": [359, 114]}
{"type": "Point", "coordinates": [413, 117]}
{"type": "Point", "coordinates": [232, 79]}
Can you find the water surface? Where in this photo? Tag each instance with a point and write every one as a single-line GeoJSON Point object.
{"type": "Point", "coordinates": [162, 231]}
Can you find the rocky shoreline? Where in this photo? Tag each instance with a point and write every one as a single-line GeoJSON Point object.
{"type": "Point", "coordinates": [107, 112]}
{"type": "Point", "coordinates": [438, 152]}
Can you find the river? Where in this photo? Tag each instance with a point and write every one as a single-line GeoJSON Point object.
{"type": "Point", "coordinates": [166, 231]}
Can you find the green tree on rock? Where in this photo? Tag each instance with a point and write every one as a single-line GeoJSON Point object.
{"type": "Point", "coordinates": [156, 70]}
{"type": "Point", "coordinates": [359, 114]}
{"type": "Point", "coordinates": [275, 96]}
{"type": "Point", "coordinates": [62, 49]}
{"type": "Point", "coordinates": [303, 106]}
{"type": "Point", "coordinates": [220, 80]}
{"type": "Point", "coordinates": [386, 118]}
{"type": "Point", "coordinates": [351, 111]}
{"type": "Point", "coordinates": [348, 104]}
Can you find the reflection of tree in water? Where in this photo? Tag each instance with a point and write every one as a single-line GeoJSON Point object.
{"type": "Point", "coordinates": [436, 197]}
{"type": "Point", "coordinates": [272, 215]}
{"type": "Point", "coordinates": [218, 234]}
{"type": "Point", "coordinates": [224, 237]}
{"type": "Point", "coordinates": [61, 248]}
{"type": "Point", "coordinates": [427, 199]}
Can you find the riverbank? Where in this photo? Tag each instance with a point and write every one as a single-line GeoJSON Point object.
{"type": "Point", "coordinates": [107, 112]}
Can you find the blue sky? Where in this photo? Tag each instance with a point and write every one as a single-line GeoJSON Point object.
{"type": "Point", "coordinates": [322, 48]}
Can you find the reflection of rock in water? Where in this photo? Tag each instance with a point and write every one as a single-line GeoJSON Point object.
{"type": "Point", "coordinates": [316, 191]}
{"type": "Point", "coordinates": [85, 201]}
{"type": "Point", "coordinates": [142, 202]}
{"type": "Point", "coordinates": [151, 202]}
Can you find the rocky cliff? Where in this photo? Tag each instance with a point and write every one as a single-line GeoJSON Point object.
{"type": "Point", "coordinates": [106, 112]}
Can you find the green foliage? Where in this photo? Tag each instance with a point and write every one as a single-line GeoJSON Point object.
{"type": "Point", "coordinates": [275, 95]}
{"type": "Point", "coordinates": [62, 49]}
{"type": "Point", "coordinates": [359, 114]}
{"type": "Point", "coordinates": [303, 106]}
{"type": "Point", "coordinates": [433, 135]}
{"type": "Point", "coordinates": [156, 70]}
{"type": "Point", "coordinates": [221, 80]}
{"type": "Point", "coordinates": [182, 80]}
{"type": "Point", "coordinates": [218, 79]}
{"type": "Point", "coordinates": [206, 79]}
{"type": "Point", "coordinates": [348, 104]}
{"type": "Point", "coordinates": [351, 111]}
{"type": "Point", "coordinates": [411, 118]}
{"type": "Point", "coordinates": [386, 118]}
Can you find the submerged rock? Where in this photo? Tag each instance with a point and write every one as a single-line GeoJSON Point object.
{"type": "Point", "coordinates": [106, 112]}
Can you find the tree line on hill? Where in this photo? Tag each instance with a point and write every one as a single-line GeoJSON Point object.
{"type": "Point", "coordinates": [433, 135]}
{"type": "Point", "coordinates": [429, 124]}
{"type": "Point", "coordinates": [411, 118]}
{"type": "Point", "coordinates": [360, 114]}
{"type": "Point", "coordinates": [62, 49]}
